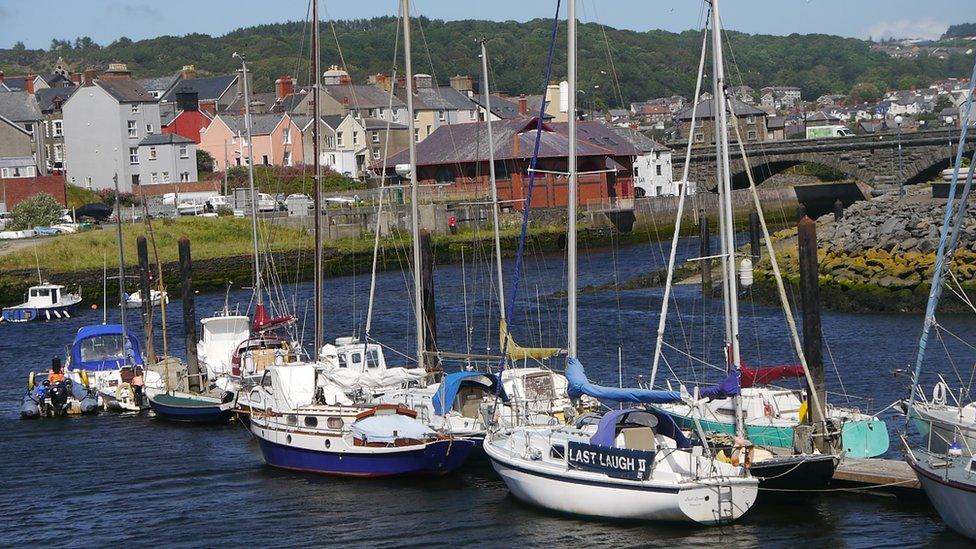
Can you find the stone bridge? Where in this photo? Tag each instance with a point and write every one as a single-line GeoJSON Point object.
{"type": "Point", "coordinates": [870, 159]}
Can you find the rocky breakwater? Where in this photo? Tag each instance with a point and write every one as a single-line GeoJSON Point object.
{"type": "Point", "coordinates": [881, 255]}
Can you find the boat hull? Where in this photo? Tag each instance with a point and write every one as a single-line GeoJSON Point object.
{"type": "Point", "coordinates": [191, 409]}
{"type": "Point", "coordinates": [28, 314]}
{"type": "Point", "coordinates": [954, 501]}
{"type": "Point", "coordinates": [434, 458]}
{"type": "Point", "coordinates": [809, 472]}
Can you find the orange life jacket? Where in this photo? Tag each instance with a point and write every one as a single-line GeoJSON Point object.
{"type": "Point", "coordinates": [55, 377]}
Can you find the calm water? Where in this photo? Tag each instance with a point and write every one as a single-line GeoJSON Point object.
{"type": "Point", "coordinates": [109, 480]}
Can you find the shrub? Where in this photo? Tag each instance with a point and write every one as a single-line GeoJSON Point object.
{"type": "Point", "coordinates": [40, 210]}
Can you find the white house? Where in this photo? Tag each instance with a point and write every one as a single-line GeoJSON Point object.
{"type": "Point", "coordinates": [104, 123]}
{"type": "Point", "coordinates": [165, 158]}
{"type": "Point", "coordinates": [653, 175]}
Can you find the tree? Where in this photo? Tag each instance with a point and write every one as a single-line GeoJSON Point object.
{"type": "Point", "coordinates": [205, 162]}
{"type": "Point", "coordinates": [19, 47]}
{"type": "Point", "coordinates": [58, 45]}
{"type": "Point", "coordinates": [40, 210]}
{"type": "Point", "coordinates": [865, 92]}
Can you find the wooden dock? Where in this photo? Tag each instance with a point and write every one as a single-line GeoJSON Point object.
{"type": "Point", "coordinates": [880, 475]}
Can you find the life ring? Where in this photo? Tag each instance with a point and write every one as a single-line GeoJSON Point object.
{"type": "Point", "coordinates": [939, 393]}
{"type": "Point", "coordinates": [125, 387]}
{"type": "Point", "coordinates": [30, 382]}
{"type": "Point", "coordinates": [745, 448]}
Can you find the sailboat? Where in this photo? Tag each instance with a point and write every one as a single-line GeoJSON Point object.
{"type": "Point", "coordinates": [291, 418]}
{"type": "Point", "coordinates": [631, 463]}
{"type": "Point", "coordinates": [944, 462]}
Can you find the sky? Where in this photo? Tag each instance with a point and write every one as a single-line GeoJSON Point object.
{"type": "Point", "coordinates": [36, 22]}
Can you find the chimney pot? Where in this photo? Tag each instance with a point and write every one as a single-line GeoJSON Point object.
{"type": "Point", "coordinates": [189, 72]}
{"type": "Point", "coordinates": [29, 83]}
{"type": "Point", "coordinates": [523, 105]}
{"type": "Point", "coordinates": [89, 76]}
{"type": "Point", "coordinates": [284, 87]}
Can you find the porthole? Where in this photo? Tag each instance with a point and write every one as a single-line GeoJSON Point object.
{"type": "Point", "coordinates": [328, 443]}
{"type": "Point", "coordinates": [288, 438]}
{"type": "Point", "coordinates": [311, 421]}
{"type": "Point", "coordinates": [292, 419]}
{"type": "Point", "coordinates": [335, 423]}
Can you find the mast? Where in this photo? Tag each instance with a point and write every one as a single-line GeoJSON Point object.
{"type": "Point", "coordinates": [317, 197]}
{"type": "Point", "coordinates": [725, 192]}
{"type": "Point", "coordinates": [494, 183]}
{"type": "Point", "coordinates": [259, 297]}
{"type": "Point", "coordinates": [118, 233]}
{"type": "Point", "coordinates": [571, 207]}
{"type": "Point", "coordinates": [418, 303]}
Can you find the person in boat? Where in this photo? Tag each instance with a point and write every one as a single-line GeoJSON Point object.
{"type": "Point", "coordinates": [138, 381]}
{"type": "Point", "coordinates": [55, 375]}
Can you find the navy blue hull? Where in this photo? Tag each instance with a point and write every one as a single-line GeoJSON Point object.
{"type": "Point", "coordinates": [437, 458]}
{"type": "Point", "coordinates": [195, 414]}
{"type": "Point", "coordinates": [27, 314]}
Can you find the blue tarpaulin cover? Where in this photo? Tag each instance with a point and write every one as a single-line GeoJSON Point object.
{"type": "Point", "coordinates": [107, 363]}
{"type": "Point", "coordinates": [444, 397]}
{"type": "Point", "coordinates": [579, 385]}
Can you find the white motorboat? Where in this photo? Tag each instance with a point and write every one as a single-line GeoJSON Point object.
{"type": "Point", "coordinates": [44, 301]}
{"type": "Point", "coordinates": [134, 300]}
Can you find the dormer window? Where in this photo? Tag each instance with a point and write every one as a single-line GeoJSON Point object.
{"type": "Point", "coordinates": [135, 108]}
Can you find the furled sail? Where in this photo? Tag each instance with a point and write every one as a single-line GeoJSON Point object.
{"type": "Point", "coordinates": [765, 376]}
{"type": "Point", "coordinates": [517, 352]}
{"type": "Point", "coordinates": [579, 385]}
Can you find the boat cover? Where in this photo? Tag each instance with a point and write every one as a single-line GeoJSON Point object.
{"type": "Point", "coordinates": [350, 380]}
{"type": "Point", "coordinates": [88, 332]}
{"type": "Point", "coordinates": [443, 399]}
{"type": "Point", "coordinates": [389, 427]}
{"type": "Point", "coordinates": [765, 376]}
{"type": "Point", "coordinates": [579, 385]}
{"type": "Point", "coordinates": [293, 385]}
{"type": "Point", "coordinates": [606, 430]}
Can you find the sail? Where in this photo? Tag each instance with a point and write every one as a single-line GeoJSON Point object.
{"type": "Point", "coordinates": [765, 376]}
{"type": "Point", "coordinates": [579, 385]}
{"type": "Point", "coordinates": [515, 351]}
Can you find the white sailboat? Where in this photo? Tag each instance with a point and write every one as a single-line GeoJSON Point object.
{"type": "Point", "coordinates": [631, 463]}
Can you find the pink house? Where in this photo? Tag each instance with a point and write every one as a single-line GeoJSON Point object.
{"type": "Point", "coordinates": [277, 140]}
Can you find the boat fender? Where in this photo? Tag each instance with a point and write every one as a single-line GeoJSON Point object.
{"type": "Point", "coordinates": [129, 393]}
{"type": "Point", "coordinates": [84, 378]}
{"type": "Point", "coordinates": [804, 407]}
{"type": "Point", "coordinates": [30, 382]}
{"type": "Point", "coordinates": [743, 452]}
{"type": "Point", "coordinates": [29, 409]}
{"type": "Point", "coordinates": [939, 393]}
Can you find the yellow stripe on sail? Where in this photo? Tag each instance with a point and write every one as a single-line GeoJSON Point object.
{"type": "Point", "coordinates": [517, 352]}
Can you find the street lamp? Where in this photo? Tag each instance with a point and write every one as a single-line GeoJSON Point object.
{"type": "Point", "coordinates": [901, 171]}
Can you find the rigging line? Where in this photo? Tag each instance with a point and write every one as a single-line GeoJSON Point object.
{"type": "Point", "coordinates": [959, 293]}
{"type": "Point", "coordinates": [527, 209]}
{"type": "Point", "coordinates": [840, 379]}
{"type": "Point", "coordinates": [938, 335]}
{"type": "Point", "coordinates": [613, 69]}
{"type": "Point", "coordinates": [694, 358]}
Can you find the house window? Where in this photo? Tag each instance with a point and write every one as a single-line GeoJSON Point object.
{"type": "Point", "coordinates": [751, 135]}
{"type": "Point", "coordinates": [165, 177]}
{"type": "Point", "coordinates": [287, 158]}
{"type": "Point", "coordinates": [88, 182]}
{"type": "Point", "coordinates": [442, 116]}
{"type": "Point", "coordinates": [473, 115]}
{"type": "Point", "coordinates": [135, 108]}
{"type": "Point", "coordinates": [135, 179]}
{"type": "Point", "coordinates": [152, 153]}
{"type": "Point", "coordinates": [58, 126]}
{"type": "Point", "coordinates": [375, 136]}
{"type": "Point", "coordinates": [376, 154]}
{"type": "Point", "coordinates": [264, 160]}
{"type": "Point", "coordinates": [658, 169]}
{"type": "Point", "coordinates": [330, 142]}
{"type": "Point", "coordinates": [657, 155]}
{"type": "Point", "coordinates": [184, 151]}
{"type": "Point", "coordinates": [59, 152]}
{"type": "Point", "coordinates": [185, 177]}
{"type": "Point", "coordinates": [416, 115]}
{"type": "Point", "coordinates": [339, 138]}
{"type": "Point", "coordinates": [155, 177]}
{"type": "Point", "coordinates": [30, 129]}
{"type": "Point", "coordinates": [133, 155]}
{"type": "Point", "coordinates": [237, 161]}
{"type": "Point", "coordinates": [149, 128]}
{"type": "Point", "coordinates": [355, 138]}
{"type": "Point", "coordinates": [372, 113]}
{"type": "Point", "coordinates": [133, 130]}
{"type": "Point", "coordinates": [751, 119]}
{"type": "Point", "coordinates": [416, 134]}
{"type": "Point", "coordinates": [286, 136]}
{"type": "Point", "coordinates": [699, 137]}
{"type": "Point", "coordinates": [428, 129]}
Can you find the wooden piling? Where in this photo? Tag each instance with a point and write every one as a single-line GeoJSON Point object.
{"type": "Point", "coordinates": [755, 237]}
{"type": "Point", "coordinates": [426, 274]}
{"type": "Point", "coordinates": [801, 212]}
{"type": "Point", "coordinates": [838, 210]}
{"type": "Point", "coordinates": [145, 288]}
{"type": "Point", "coordinates": [705, 250]}
{"type": "Point", "coordinates": [810, 302]}
{"type": "Point", "coordinates": [189, 318]}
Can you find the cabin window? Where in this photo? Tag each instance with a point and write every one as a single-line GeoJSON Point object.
{"type": "Point", "coordinates": [334, 423]}
{"type": "Point", "coordinates": [311, 421]}
{"type": "Point", "coordinates": [102, 347]}
{"type": "Point", "coordinates": [557, 451]}
{"type": "Point", "coordinates": [342, 361]}
{"type": "Point", "coordinates": [372, 358]}
{"type": "Point", "coordinates": [356, 358]}
{"type": "Point", "coordinates": [43, 292]}
{"type": "Point", "coordinates": [291, 419]}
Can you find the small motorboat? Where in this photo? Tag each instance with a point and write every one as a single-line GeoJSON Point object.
{"type": "Point", "coordinates": [134, 300]}
{"type": "Point", "coordinates": [193, 408]}
{"type": "Point", "coordinates": [58, 399]}
{"type": "Point", "coordinates": [44, 302]}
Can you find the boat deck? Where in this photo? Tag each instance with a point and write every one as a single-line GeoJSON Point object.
{"type": "Point", "coordinates": [884, 475]}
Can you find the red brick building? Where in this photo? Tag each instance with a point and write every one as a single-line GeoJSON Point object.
{"type": "Point", "coordinates": [13, 191]}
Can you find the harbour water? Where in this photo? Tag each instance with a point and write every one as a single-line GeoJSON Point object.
{"type": "Point", "coordinates": [113, 480]}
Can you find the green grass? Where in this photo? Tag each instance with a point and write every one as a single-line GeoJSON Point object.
{"type": "Point", "coordinates": [78, 196]}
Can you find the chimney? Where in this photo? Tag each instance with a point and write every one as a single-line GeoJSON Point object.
{"type": "Point", "coordinates": [189, 72]}
{"type": "Point", "coordinates": [29, 83]}
{"type": "Point", "coordinates": [187, 99]}
{"type": "Point", "coordinates": [117, 71]}
{"type": "Point", "coordinates": [463, 84]}
{"type": "Point", "coordinates": [381, 81]}
{"type": "Point", "coordinates": [284, 87]}
{"type": "Point", "coordinates": [1, 77]}
{"type": "Point", "coordinates": [523, 105]}
{"type": "Point", "coordinates": [76, 78]}
{"type": "Point", "coordinates": [89, 76]}
{"type": "Point", "coordinates": [422, 81]}
{"type": "Point", "coordinates": [258, 107]}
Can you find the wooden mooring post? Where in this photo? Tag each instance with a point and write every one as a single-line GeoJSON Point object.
{"type": "Point", "coordinates": [810, 302]}
{"type": "Point", "coordinates": [145, 288]}
{"type": "Point", "coordinates": [755, 237]}
{"type": "Point", "coordinates": [189, 317]}
{"type": "Point", "coordinates": [705, 250]}
{"type": "Point", "coordinates": [429, 312]}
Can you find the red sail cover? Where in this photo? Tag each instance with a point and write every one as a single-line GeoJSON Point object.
{"type": "Point", "coordinates": [263, 323]}
{"type": "Point", "coordinates": [765, 376]}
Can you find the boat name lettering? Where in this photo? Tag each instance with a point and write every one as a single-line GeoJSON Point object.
{"type": "Point", "coordinates": [613, 462]}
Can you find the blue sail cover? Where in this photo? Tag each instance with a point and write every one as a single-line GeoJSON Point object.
{"type": "Point", "coordinates": [606, 430]}
{"type": "Point", "coordinates": [579, 385]}
{"type": "Point", "coordinates": [444, 397]}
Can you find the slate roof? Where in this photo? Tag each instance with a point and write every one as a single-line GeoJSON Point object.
{"type": "Point", "coordinates": [442, 98]}
{"type": "Point", "coordinates": [261, 124]}
{"type": "Point", "coordinates": [126, 91]}
{"type": "Point", "coordinates": [208, 88]}
{"type": "Point", "coordinates": [45, 98]}
{"type": "Point", "coordinates": [291, 102]}
{"type": "Point", "coordinates": [450, 144]}
{"type": "Point", "coordinates": [165, 139]}
{"type": "Point", "coordinates": [380, 124]}
{"type": "Point", "coordinates": [19, 106]}
{"type": "Point", "coordinates": [358, 96]}
{"type": "Point", "coordinates": [167, 113]}
{"type": "Point", "coordinates": [776, 122]}
{"type": "Point", "coordinates": [821, 116]}
{"type": "Point", "coordinates": [638, 140]}
{"type": "Point", "coordinates": [237, 105]}
{"type": "Point", "coordinates": [16, 161]}
{"type": "Point", "coordinates": [159, 83]}
{"type": "Point", "coordinates": [15, 83]}
{"type": "Point", "coordinates": [500, 106]}
{"type": "Point", "coordinates": [705, 110]}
